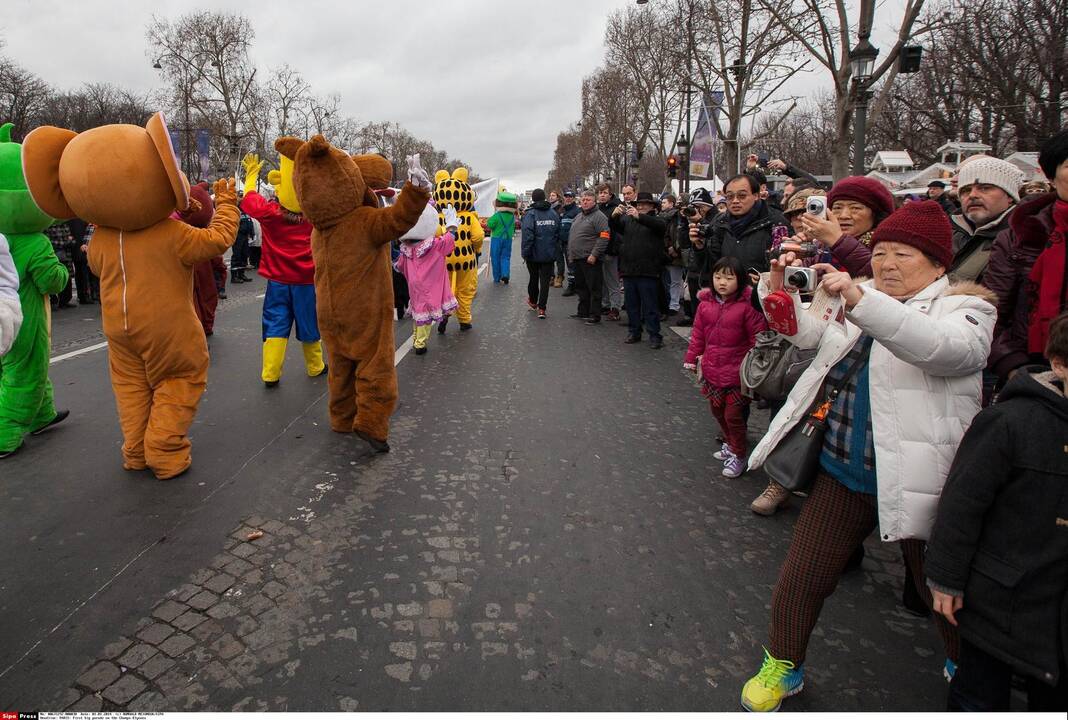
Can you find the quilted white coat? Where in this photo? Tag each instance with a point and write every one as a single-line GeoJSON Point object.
{"type": "Point", "coordinates": [10, 306]}
{"type": "Point", "coordinates": [925, 377]}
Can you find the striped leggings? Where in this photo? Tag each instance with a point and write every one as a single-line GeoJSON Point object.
{"type": "Point", "coordinates": [834, 521]}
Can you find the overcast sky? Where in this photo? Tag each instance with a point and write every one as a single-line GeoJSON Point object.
{"type": "Point", "coordinates": [525, 62]}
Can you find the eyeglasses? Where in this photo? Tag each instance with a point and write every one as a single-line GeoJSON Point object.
{"type": "Point", "coordinates": [738, 196]}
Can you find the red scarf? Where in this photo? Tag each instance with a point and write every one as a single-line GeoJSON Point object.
{"type": "Point", "coordinates": [1049, 282]}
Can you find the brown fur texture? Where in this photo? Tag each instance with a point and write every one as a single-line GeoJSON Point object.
{"type": "Point", "coordinates": [125, 180]}
{"type": "Point", "coordinates": [353, 279]}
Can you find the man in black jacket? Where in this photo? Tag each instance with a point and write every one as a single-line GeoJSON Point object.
{"type": "Point", "coordinates": [612, 208]}
{"type": "Point", "coordinates": [697, 214]}
{"type": "Point", "coordinates": [641, 261]}
{"type": "Point", "coordinates": [568, 212]}
{"type": "Point", "coordinates": [541, 237]}
{"type": "Point", "coordinates": [745, 231]}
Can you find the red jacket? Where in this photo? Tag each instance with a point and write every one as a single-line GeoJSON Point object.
{"type": "Point", "coordinates": [723, 332]}
{"type": "Point", "coordinates": [286, 256]}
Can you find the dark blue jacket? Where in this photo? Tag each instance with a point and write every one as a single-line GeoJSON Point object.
{"type": "Point", "coordinates": [568, 213]}
{"type": "Point", "coordinates": [541, 233]}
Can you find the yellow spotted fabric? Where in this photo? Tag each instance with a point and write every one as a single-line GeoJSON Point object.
{"type": "Point", "coordinates": [452, 189]}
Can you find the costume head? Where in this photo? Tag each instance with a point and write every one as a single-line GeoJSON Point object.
{"type": "Point", "coordinates": [506, 202]}
{"type": "Point", "coordinates": [282, 182]}
{"type": "Point", "coordinates": [118, 176]}
{"type": "Point", "coordinates": [453, 190]}
{"type": "Point", "coordinates": [18, 213]}
{"type": "Point", "coordinates": [329, 183]}
{"type": "Point", "coordinates": [201, 207]}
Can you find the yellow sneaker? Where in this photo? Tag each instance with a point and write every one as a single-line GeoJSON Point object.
{"type": "Point", "coordinates": [776, 680]}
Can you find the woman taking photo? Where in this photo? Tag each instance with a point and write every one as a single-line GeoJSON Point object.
{"type": "Point", "coordinates": [909, 363]}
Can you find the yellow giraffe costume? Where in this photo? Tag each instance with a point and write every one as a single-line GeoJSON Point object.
{"type": "Point", "coordinates": [462, 262]}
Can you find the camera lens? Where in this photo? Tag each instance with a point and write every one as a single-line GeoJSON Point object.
{"type": "Point", "coordinates": [796, 279]}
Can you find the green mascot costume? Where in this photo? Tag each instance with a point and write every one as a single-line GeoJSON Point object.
{"type": "Point", "coordinates": [25, 392]}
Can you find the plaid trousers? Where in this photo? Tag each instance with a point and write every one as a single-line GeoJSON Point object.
{"type": "Point", "coordinates": [834, 521]}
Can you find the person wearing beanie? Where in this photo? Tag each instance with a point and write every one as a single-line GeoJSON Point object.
{"type": "Point", "coordinates": [937, 190]}
{"type": "Point", "coordinates": [502, 229]}
{"type": "Point", "coordinates": [989, 190]}
{"type": "Point", "coordinates": [911, 341]}
{"type": "Point", "coordinates": [1028, 267]}
{"type": "Point", "coordinates": [856, 206]}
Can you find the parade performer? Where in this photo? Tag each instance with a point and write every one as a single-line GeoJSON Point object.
{"type": "Point", "coordinates": [205, 291]}
{"type": "Point", "coordinates": [125, 180]}
{"type": "Point", "coordinates": [463, 261]}
{"type": "Point", "coordinates": [286, 262]}
{"type": "Point", "coordinates": [26, 404]}
{"type": "Point", "coordinates": [10, 307]}
{"type": "Point", "coordinates": [353, 279]}
{"type": "Point", "coordinates": [502, 229]}
{"type": "Point", "coordinates": [422, 262]}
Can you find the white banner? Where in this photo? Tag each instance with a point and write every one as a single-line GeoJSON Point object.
{"type": "Point", "coordinates": [485, 196]}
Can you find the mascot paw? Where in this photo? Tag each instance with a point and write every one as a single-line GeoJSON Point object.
{"type": "Point", "coordinates": [10, 322]}
{"type": "Point", "coordinates": [452, 220]}
{"type": "Point", "coordinates": [417, 175]}
{"type": "Point", "coordinates": [252, 165]}
{"type": "Point", "coordinates": [225, 191]}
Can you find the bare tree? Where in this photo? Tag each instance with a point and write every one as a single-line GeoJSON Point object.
{"type": "Point", "coordinates": [289, 92]}
{"type": "Point", "coordinates": [23, 96]}
{"type": "Point", "coordinates": [830, 49]}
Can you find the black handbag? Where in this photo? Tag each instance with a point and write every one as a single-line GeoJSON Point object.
{"type": "Point", "coordinates": [771, 367]}
{"type": "Point", "coordinates": [796, 459]}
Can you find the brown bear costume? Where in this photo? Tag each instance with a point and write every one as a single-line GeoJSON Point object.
{"type": "Point", "coordinates": [126, 181]}
{"type": "Point", "coordinates": [353, 277]}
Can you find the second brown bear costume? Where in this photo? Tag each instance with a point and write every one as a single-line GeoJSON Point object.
{"type": "Point", "coordinates": [353, 279]}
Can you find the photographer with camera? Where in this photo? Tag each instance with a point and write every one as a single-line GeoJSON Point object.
{"type": "Point", "coordinates": [745, 231]}
{"type": "Point", "coordinates": [900, 380]}
{"type": "Point", "coordinates": [695, 220]}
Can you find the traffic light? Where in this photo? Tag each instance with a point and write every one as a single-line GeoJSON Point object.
{"type": "Point", "coordinates": [672, 166]}
{"type": "Point", "coordinates": [909, 59]}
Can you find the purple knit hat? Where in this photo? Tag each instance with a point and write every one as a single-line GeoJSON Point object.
{"type": "Point", "coordinates": [867, 191]}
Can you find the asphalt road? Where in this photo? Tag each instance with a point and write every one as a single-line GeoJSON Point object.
{"type": "Point", "coordinates": [550, 532]}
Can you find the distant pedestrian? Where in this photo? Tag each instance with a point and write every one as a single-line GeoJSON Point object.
{"type": "Point", "coordinates": [612, 207]}
{"type": "Point", "coordinates": [541, 236]}
{"type": "Point", "coordinates": [641, 263]}
{"type": "Point", "coordinates": [586, 245]}
{"type": "Point", "coordinates": [564, 272]}
{"type": "Point", "coordinates": [724, 330]}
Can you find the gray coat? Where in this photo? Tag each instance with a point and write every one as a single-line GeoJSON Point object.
{"type": "Point", "coordinates": [589, 235]}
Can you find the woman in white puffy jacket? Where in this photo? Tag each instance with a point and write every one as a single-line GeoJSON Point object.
{"type": "Point", "coordinates": [920, 344]}
{"type": "Point", "coordinates": [10, 307]}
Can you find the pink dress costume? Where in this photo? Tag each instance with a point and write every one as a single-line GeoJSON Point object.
{"type": "Point", "coordinates": [423, 266]}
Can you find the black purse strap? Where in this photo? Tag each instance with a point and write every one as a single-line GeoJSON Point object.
{"type": "Point", "coordinates": [823, 408]}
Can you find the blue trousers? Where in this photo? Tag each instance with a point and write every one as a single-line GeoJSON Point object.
{"type": "Point", "coordinates": [284, 305]}
{"type": "Point", "coordinates": [642, 302]}
{"type": "Point", "coordinates": [500, 257]}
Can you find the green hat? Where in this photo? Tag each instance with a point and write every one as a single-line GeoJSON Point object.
{"type": "Point", "coordinates": [506, 201]}
{"type": "Point", "coordinates": [18, 212]}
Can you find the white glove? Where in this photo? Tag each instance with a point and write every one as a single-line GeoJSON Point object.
{"type": "Point", "coordinates": [10, 322]}
{"type": "Point", "coordinates": [417, 175]}
{"type": "Point", "coordinates": [452, 220]}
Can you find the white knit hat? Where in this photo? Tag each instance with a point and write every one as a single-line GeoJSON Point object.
{"type": "Point", "coordinates": [991, 171]}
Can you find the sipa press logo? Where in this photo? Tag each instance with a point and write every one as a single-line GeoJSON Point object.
{"type": "Point", "coordinates": [18, 716]}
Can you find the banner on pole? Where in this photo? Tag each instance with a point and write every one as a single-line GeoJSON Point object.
{"type": "Point", "coordinates": [203, 154]}
{"type": "Point", "coordinates": [701, 145]}
{"type": "Point", "coordinates": [176, 145]}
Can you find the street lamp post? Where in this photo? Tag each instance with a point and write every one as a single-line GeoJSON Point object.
{"type": "Point", "coordinates": [862, 65]}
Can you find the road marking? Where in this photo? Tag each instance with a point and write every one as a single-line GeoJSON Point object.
{"type": "Point", "coordinates": [261, 295]}
{"type": "Point", "coordinates": [683, 333]}
{"type": "Point", "coordinates": [403, 350]}
{"type": "Point", "coordinates": [76, 353]}
{"type": "Point", "coordinates": [483, 268]}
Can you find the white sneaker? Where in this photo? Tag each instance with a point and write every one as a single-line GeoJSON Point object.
{"type": "Point", "coordinates": [723, 453]}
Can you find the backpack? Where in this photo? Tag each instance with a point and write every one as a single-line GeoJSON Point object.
{"type": "Point", "coordinates": [771, 368]}
{"type": "Point", "coordinates": [245, 226]}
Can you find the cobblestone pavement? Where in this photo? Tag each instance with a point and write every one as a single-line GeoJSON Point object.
{"type": "Point", "coordinates": [550, 532]}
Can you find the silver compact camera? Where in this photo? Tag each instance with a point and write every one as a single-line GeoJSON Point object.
{"type": "Point", "coordinates": [817, 205]}
{"type": "Point", "coordinates": [802, 279]}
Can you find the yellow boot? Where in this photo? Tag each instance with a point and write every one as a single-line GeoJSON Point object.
{"type": "Point", "coordinates": [274, 354]}
{"type": "Point", "coordinates": [313, 358]}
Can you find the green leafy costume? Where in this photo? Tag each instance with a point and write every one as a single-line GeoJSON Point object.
{"type": "Point", "coordinates": [25, 390]}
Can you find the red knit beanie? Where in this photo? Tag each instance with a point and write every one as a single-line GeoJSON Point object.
{"type": "Point", "coordinates": [867, 191]}
{"type": "Point", "coordinates": [924, 226]}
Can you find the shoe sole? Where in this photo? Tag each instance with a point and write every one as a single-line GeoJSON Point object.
{"type": "Point", "coordinates": [793, 692]}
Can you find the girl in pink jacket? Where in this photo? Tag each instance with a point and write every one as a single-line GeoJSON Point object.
{"type": "Point", "coordinates": [724, 330]}
{"type": "Point", "coordinates": [422, 263]}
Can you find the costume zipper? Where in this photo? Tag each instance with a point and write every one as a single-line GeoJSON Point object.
{"type": "Point", "coordinates": [122, 265]}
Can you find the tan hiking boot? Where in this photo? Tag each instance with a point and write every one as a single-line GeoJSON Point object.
{"type": "Point", "coordinates": [773, 497]}
{"type": "Point", "coordinates": [558, 281]}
